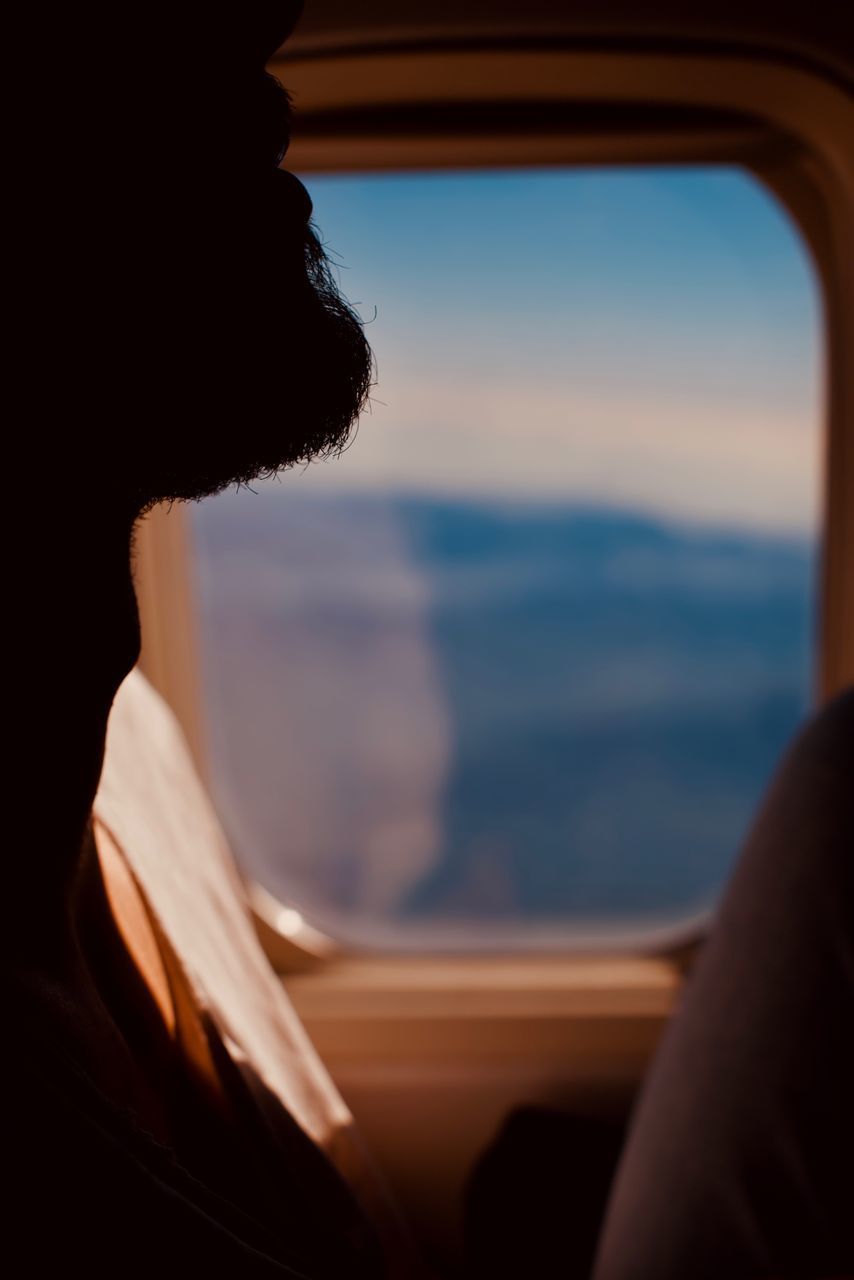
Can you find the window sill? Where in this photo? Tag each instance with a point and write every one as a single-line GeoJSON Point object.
{"type": "Point", "coordinates": [517, 1007]}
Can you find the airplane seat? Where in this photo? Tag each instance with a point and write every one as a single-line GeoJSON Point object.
{"type": "Point", "coordinates": [180, 908]}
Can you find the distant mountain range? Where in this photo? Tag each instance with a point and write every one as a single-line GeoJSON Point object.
{"type": "Point", "coordinates": [430, 709]}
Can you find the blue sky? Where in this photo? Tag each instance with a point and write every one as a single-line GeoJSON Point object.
{"type": "Point", "coordinates": [647, 337]}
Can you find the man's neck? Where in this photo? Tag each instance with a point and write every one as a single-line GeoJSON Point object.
{"type": "Point", "coordinates": [78, 637]}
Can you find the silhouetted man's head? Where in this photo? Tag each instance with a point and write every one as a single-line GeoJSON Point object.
{"type": "Point", "coordinates": [255, 361]}
{"type": "Point", "coordinates": [236, 355]}
{"type": "Point", "coordinates": [197, 330]}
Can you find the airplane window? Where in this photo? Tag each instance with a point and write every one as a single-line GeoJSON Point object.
{"type": "Point", "coordinates": [514, 670]}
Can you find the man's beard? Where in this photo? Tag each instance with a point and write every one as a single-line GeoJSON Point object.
{"type": "Point", "coordinates": [268, 368]}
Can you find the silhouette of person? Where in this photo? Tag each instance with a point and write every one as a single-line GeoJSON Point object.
{"type": "Point", "coordinates": [177, 331]}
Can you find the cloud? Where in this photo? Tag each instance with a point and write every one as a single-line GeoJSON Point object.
{"type": "Point", "coordinates": [730, 462]}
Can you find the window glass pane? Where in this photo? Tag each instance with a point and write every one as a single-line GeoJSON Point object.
{"type": "Point", "coordinates": [518, 665]}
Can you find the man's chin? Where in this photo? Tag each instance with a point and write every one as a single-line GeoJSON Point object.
{"type": "Point", "coordinates": [287, 390]}
{"type": "Point", "coordinates": [193, 469]}
{"type": "Point", "coordinates": [182, 480]}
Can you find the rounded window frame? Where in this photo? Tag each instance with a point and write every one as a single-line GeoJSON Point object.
{"type": "Point", "coordinates": [788, 125]}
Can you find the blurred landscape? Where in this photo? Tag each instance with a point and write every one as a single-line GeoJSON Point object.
{"type": "Point", "coordinates": [440, 709]}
